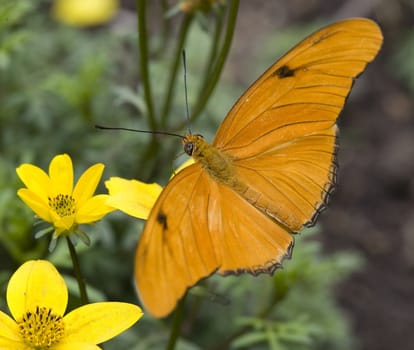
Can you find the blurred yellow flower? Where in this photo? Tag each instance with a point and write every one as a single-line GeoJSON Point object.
{"type": "Point", "coordinates": [82, 13]}
{"type": "Point", "coordinates": [37, 297]}
{"type": "Point", "coordinates": [133, 197]}
{"type": "Point", "coordinates": [53, 198]}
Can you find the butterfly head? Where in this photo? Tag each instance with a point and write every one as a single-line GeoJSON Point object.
{"type": "Point", "coordinates": [193, 144]}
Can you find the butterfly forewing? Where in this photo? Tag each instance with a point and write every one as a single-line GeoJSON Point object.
{"type": "Point", "coordinates": [175, 250]}
{"type": "Point", "coordinates": [317, 72]}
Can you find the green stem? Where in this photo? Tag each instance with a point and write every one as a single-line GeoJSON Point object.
{"type": "Point", "coordinates": [150, 158]}
{"type": "Point", "coordinates": [78, 274]}
{"type": "Point", "coordinates": [214, 48]}
{"type": "Point", "coordinates": [176, 325]}
{"type": "Point", "coordinates": [206, 92]}
{"type": "Point", "coordinates": [144, 61]}
{"type": "Point", "coordinates": [185, 25]}
{"type": "Point", "coordinates": [165, 30]}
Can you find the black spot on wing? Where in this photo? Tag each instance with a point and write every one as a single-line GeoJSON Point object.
{"type": "Point", "coordinates": [162, 220]}
{"type": "Point", "coordinates": [284, 72]}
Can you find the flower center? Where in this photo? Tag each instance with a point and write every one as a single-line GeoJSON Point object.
{"type": "Point", "coordinates": [41, 329]}
{"type": "Point", "coordinates": [62, 204]}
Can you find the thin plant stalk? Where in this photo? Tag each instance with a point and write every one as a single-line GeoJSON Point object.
{"type": "Point", "coordinates": [214, 48]}
{"type": "Point", "coordinates": [183, 33]}
{"type": "Point", "coordinates": [165, 30]}
{"type": "Point", "coordinates": [206, 91]}
{"type": "Point", "coordinates": [78, 273]}
{"type": "Point", "coordinates": [144, 61]}
{"type": "Point", "coordinates": [176, 325]}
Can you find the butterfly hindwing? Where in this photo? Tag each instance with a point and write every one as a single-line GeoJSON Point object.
{"type": "Point", "coordinates": [248, 240]}
{"type": "Point", "coordinates": [292, 182]}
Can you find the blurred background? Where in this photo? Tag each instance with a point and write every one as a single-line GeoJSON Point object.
{"type": "Point", "coordinates": [350, 283]}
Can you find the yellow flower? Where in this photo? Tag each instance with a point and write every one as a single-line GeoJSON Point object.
{"type": "Point", "coordinates": [82, 13]}
{"type": "Point", "coordinates": [37, 297]}
{"type": "Point", "coordinates": [133, 197]}
{"type": "Point", "coordinates": [53, 198]}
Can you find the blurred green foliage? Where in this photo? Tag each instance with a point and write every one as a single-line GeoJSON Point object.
{"type": "Point", "coordinates": [402, 62]}
{"type": "Point", "coordinates": [56, 83]}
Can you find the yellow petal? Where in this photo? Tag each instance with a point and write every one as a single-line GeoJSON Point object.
{"type": "Point", "coordinates": [35, 203]}
{"type": "Point", "coordinates": [75, 345]}
{"type": "Point", "coordinates": [133, 197]}
{"type": "Point", "coordinates": [36, 283]}
{"type": "Point", "coordinates": [35, 179]}
{"type": "Point", "coordinates": [62, 223]}
{"type": "Point", "coordinates": [61, 174]}
{"type": "Point", "coordinates": [93, 209]}
{"type": "Point", "coordinates": [84, 12]}
{"type": "Point", "coordinates": [98, 322]}
{"type": "Point", "coordinates": [87, 183]}
{"type": "Point", "coordinates": [7, 344]}
{"type": "Point", "coordinates": [9, 331]}
{"type": "Point", "coordinates": [182, 166]}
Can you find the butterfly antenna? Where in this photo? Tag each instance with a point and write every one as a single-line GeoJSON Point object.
{"type": "Point", "coordinates": [186, 93]}
{"type": "Point", "coordinates": [162, 132]}
{"type": "Point", "coordinates": [137, 130]}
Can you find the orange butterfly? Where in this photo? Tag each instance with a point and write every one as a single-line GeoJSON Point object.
{"type": "Point", "coordinates": [267, 174]}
